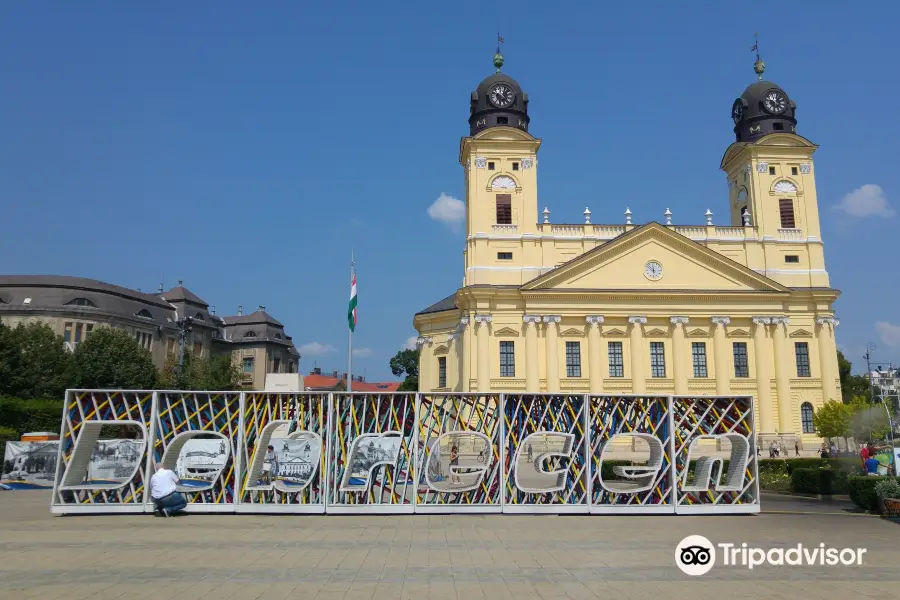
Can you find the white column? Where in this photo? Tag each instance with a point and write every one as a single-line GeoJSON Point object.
{"type": "Point", "coordinates": [638, 372]}
{"type": "Point", "coordinates": [532, 369]}
{"type": "Point", "coordinates": [783, 364]}
{"type": "Point", "coordinates": [680, 355]}
{"type": "Point", "coordinates": [484, 364]}
{"type": "Point", "coordinates": [461, 349]}
{"type": "Point", "coordinates": [551, 337]}
{"type": "Point", "coordinates": [425, 383]}
{"type": "Point", "coordinates": [595, 365]}
{"type": "Point", "coordinates": [720, 347]}
{"type": "Point", "coordinates": [826, 349]}
{"type": "Point", "coordinates": [762, 354]}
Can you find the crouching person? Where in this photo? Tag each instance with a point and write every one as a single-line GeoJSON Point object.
{"type": "Point", "coordinates": [166, 499]}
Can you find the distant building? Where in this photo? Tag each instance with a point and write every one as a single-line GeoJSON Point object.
{"type": "Point", "coordinates": [337, 382]}
{"type": "Point", "coordinates": [75, 307]}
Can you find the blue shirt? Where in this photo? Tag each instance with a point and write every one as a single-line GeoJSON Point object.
{"type": "Point", "coordinates": [872, 465]}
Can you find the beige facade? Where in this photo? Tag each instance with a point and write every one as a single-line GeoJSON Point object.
{"type": "Point", "coordinates": [742, 308]}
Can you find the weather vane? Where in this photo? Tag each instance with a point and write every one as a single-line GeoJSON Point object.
{"type": "Point", "coordinates": [498, 58]}
{"type": "Point", "coordinates": [759, 66]}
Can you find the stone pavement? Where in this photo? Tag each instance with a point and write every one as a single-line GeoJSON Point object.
{"type": "Point", "coordinates": [418, 557]}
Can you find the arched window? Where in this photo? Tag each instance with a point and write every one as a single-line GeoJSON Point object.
{"type": "Point", "coordinates": [806, 418]}
{"type": "Point", "coordinates": [250, 334]}
{"type": "Point", "coordinates": [80, 302]}
{"type": "Point", "coordinates": [199, 317]}
{"type": "Point", "coordinates": [144, 313]}
{"type": "Point", "coordinates": [277, 336]}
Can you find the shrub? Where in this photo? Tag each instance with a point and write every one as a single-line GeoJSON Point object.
{"type": "Point", "coordinates": [888, 488]}
{"type": "Point", "coordinates": [774, 480]}
{"type": "Point", "coordinates": [31, 415]}
{"type": "Point", "coordinates": [7, 434]}
{"type": "Point", "coordinates": [812, 481]}
{"type": "Point", "coordinates": [862, 491]}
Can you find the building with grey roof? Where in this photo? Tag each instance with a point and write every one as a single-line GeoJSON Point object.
{"type": "Point", "coordinates": [75, 307]}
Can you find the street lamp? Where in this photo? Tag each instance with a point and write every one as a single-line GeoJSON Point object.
{"type": "Point", "coordinates": [185, 325]}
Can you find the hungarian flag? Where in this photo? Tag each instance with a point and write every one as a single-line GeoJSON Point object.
{"type": "Point", "coordinates": [351, 311]}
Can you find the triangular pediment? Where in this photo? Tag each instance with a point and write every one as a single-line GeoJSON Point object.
{"type": "Point", "coordinates": [442, 349]}
{"type": "Point", "coordinates": [507, 331]}
{"type": "Point", "coordinates": [614, 331]}
{"type": "Point", "coordinates": [571, 331]}
{"type": "Point", "coordinates": [656, 332]}
{"type": "Point", "coordinates": [801, 333]}
{"type": "Point", "coordinates": [652, 258]}
{"type": "Point", "coordinates": [738, 333]}
{"type": "Point", "coordinates": [698, 333]}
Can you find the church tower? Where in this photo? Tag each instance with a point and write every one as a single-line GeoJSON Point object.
{"type": "Point", "coordinates": [772, 185]}
{"type": "Point", "coordinates": [500, 161]}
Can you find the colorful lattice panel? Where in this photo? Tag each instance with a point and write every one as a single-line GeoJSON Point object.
{"type": "Point", "coordinates": [283, 452]}
{"type": "Point", "coordinates": [372, 458]}
{"type": "Point", "coordinates": [458, 453]}
{"type": "Point", "coordinates": [545, 453]}
{"type": "Point", "coordinates": [196, 435]}
{"type": "Point", "coordinates": [102, 453]}
{"type": "Point", "coordinates": [631, 454]}
{"type": "Point", "coordinates": [705, 481]}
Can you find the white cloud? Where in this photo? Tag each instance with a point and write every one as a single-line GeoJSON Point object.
{"type": "Point", "coordinates": [363, 352]}
{"type": "Point", "coordinates": [411, 343]}
{"type": "Point", "coordinates": [866, 201]}
{"type": "Point", "coordinates": [889, 333]}
{"type": "Point", "coordinates": [316, 349]}
{"type": "Point", "coordinates": [449, 210]}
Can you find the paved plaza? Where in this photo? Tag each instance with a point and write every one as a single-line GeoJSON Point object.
{"type": "Point", "coordinates": [418, 557]}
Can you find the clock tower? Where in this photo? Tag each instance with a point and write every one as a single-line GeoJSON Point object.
{"type": "Point", "coordinates": [500, 161]}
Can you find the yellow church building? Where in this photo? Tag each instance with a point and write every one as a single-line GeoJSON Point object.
{"type": "Point", "coordinates": [739, 309]}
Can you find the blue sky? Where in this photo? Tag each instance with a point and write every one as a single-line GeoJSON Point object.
{"type": "Point", "coordinates": [246, 149]}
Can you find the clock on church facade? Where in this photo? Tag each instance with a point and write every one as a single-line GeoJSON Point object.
{"type": "Point", "coordinates": [743, 308]}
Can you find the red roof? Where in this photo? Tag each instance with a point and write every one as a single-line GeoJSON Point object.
{"type": "Point", "coordinates": [324, 382]}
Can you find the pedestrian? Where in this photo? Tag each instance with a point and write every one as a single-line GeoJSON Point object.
{"type": "Point", "coordinates": [454, 461]}
{"type": "Point", "coordinates": [797, 447]}
{"type": "Point", "coordinates": [864, 455]}
{"type": "Point", "coordinates": [268, 465]}
{"type": "Point", "coordinates": [872, 465]}
{"type": "Point", "coordinates": [823, 451]}
{"type": "Point", "coordinates": [166, 498]}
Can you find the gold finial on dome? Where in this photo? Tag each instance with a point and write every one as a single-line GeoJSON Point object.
{"type": "Point", "coordinates": [759, 66]}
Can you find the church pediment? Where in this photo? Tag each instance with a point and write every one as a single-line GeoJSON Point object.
{"type": "Point", "coordinates": [614, 331]}
{"type": "Point", "coordinates": [698, 333]}
{"type": "Point", "coordinates": [442, 349]}
{"type": "Point", "coordinates": [801, 333]}
{"type": "Point", "coordinates": [738, 333]}
{"type": "Point", "coordinates": [571, 331]}
{"type": "Point", "coordinates": [656, 332]}
{"type": "Point", "coordinates": [652, 258]}
{"type": "Point", "coordinates": [506, 331]}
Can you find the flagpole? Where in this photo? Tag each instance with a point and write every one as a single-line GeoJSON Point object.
{"type": "Point", "coordinates": [350, 340]}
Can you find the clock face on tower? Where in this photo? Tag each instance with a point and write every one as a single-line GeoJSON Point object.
{"type": "Point", "coordinates": [775, 102]}
{"type": "Point", "coordinates": [653, 271]}
{"type": "Point", "coordinates": [737, 111]}
{"type": "Point", "coordinates": [502, 96]}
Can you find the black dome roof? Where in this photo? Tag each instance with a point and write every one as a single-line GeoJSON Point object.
{"type": "Point", "coordinates": [484, 114]}
{"type": "Point", "coordinates": [755, 120]}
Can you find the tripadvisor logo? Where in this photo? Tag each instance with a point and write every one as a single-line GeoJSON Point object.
{"type": "Point", "coordinates": [696, 555]}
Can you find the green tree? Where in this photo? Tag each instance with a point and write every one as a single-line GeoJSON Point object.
{"type": "Point", "coordinates": [869, 421]}
{"type": "Point", "coordinates": [111, 358]}
{"type": "Point", "coordinates": [832, 420]}
{"type": "Point", "coordinates": [33, 362]}
{"type": "Point", "coordinates": [217, 373]}
{"type": "Point", "coordinates": [406, 363]}
{"type": "Point", "coordinates": [851, 385]}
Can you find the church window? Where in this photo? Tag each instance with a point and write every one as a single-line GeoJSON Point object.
{"type": "Point", "coordinates": [442, 371]}
{"type": "Point", "coordinates": [791, 258]}
{"type": "Point", "coordinates": [507, 359]}
{"type": "Point", "coordinates": [806, 418]}
{"type": "Point", "coordinates": [771, 170]}
{"type": "Point", "coordinates": [793, 170]}
{"type": "Point", "coordinates": [504, 256]}
{"type": "Point", "coordinates": [515, 166]}
{"type": "Point", "coordinates": [698, 354]}
{"type": "Point", "coordinates": [657, 359]}
{"type": "Point", "coordinates": [80, 302]}
{"type": "Point", "coordinates": [504, 209]}
{"type": "Point", "coordinates": [786, 207]}
{"type": "Point", "coordinates": [144, 313]}
{"type": "Point", "coordinates": [248, 365]}
{"type": "Point", "coordinates": [616, 364]}
{"type": "Point", "coordinates": [490, 166]}
{"type": "Point", "coordinates": [741, 366]}
{"type": "Point", "coordinates": [573, 359]}
{"type": "Point", "coordinates": [801, 350]}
